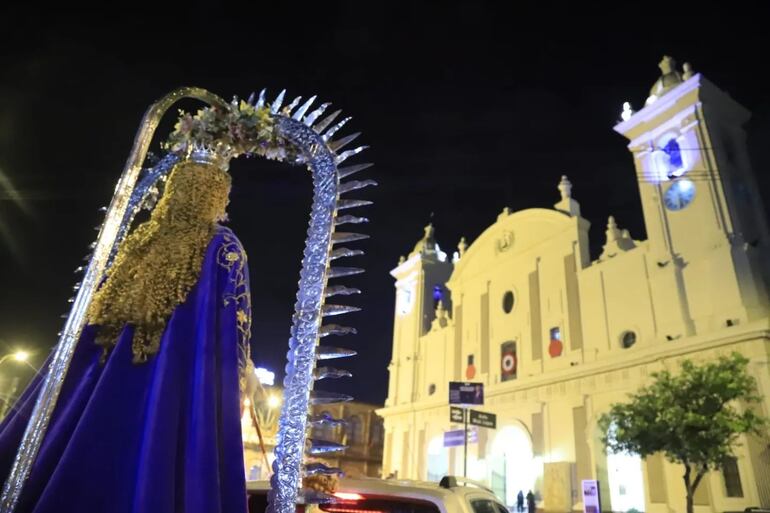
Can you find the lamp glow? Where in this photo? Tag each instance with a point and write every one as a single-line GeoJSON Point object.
{"type": "Point", "coordinates": [21, 356]}
{"type": "Point", "coordinates": [273, 401]}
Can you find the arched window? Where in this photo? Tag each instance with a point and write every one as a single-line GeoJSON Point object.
{"type": "Point", "coordinates": [355, 430]}
{"type": "Point", "coordinates": [674, 159]}
{"type": "Point", "coordinates": [377, 433]}
{"type": "Point", "coordinates": [325, 431]}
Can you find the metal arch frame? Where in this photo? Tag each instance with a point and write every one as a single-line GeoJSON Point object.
{"type": "Point", "coordinates": [310, 308]}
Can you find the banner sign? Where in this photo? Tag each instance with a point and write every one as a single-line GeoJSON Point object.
{"type": "Point", "coordinates": [591, 501]}
{"type": "Point", "coordinates": [466, 393]}
{"type": "Point", "coordinates": [508, 361]}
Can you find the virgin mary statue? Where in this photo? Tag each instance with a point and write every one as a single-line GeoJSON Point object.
{"type": "Point", "coordinates": [148, 419]}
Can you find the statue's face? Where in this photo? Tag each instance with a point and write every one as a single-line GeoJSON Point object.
{"type": "Point", "coordinates": [666, 64]}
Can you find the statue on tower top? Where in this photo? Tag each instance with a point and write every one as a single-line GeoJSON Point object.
{"type": "Point", "coordinates": [669, 78]}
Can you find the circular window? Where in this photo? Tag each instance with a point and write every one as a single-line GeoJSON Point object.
{"type": "Point", "coordinates": [627, 339]}
{"type": "Point", "coordinates": [431, 389]}
{"type": "Point", "coordinates": [508, 302]}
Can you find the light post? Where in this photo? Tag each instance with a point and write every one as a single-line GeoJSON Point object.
{"type": "Point", "coordinates": [19, 356]}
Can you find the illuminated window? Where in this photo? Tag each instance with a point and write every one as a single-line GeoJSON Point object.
{"type": "Point", "coordinates": [732, 477]}
{"type": "Point", "coordinates": [674, 154]}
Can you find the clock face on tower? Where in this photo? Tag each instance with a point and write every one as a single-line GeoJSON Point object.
{"type": "Point", "coordinates": [679, 195]}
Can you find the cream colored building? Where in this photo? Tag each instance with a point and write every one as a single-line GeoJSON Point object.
{"type": "Point", "coordinates": [556, 337]}
{"type": "Point", "coordinates": [362, 434]}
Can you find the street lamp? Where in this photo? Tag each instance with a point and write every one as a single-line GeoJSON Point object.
{"type": "Point", "coordinates": [273, 402]}
{"type": "Point", "coordinates": [20, 356]}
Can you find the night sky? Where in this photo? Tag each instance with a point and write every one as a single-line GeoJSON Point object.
{"type": "Point", "coordinates": [467, 108]}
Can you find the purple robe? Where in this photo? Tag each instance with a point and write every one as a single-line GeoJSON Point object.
{"type": "Point", "coordinates": [157, 437]}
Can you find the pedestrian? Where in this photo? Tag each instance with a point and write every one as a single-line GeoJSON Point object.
{"type": "Point", "coordinates": [530, 502]}
{"type": "Point", "coordinates": [520, 501]}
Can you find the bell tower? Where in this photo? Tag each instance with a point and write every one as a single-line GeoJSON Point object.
{"type": "Point", "coordinates": [702, 209]}
{"type": "Point", "coordinates": [420, 280]}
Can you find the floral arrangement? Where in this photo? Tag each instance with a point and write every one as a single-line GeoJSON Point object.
{"type": "Point", "coordinates": [242, 128]}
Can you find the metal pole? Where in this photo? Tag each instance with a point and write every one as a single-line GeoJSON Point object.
{"type": "Point", "coordinates": [465, 446]}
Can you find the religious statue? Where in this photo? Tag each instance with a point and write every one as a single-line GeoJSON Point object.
{"type": "Point", "coordinates": [139, 408]}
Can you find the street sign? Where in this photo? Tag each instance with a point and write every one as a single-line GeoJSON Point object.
{"type": "Point", "coordinates": [483, 419]}
{"type": "Point", "coordinates": [455, 438]}
{"type": "Point", "coordinates": [456, 415]}
{"type": "Point", "coordinates": [466, 393]}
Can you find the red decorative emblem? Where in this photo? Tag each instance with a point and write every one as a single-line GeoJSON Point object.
{"type": "Point", "coordinates": [470, 371]}
{"type": "Point", "coordinates": [555, 348]}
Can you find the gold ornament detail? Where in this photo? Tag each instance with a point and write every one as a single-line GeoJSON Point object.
{"type": "Point", "coordinates": [159, 262]}
{"type": "Point", "coordinates": [232, 257]}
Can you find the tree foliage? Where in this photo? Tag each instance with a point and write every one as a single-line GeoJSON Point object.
{"type": "Point", "coordinates": [693, 417]}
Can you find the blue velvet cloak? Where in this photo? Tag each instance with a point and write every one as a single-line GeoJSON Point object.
{"type": "Point", "coordinates": [158, 437]}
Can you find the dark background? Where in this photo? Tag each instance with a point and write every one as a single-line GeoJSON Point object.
{"type": "Point", "coordinates": [468, 108]}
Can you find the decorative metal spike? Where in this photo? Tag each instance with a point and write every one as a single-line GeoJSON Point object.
{"type": "Point", "coordinates": [324, 397]}
{"type": "Point", "coordinates": [344, 252]}
{"type": "Point", "coordinates": [335, 329]}
{"type": "Point", "coordinates": [338, 272]}
{"type": "Point", "coordinates": [324, 419]}
{"type": "Point", "coordinates": [321, 125]}
{"type": "Point", "coordinates": [339, 237]}
{"type": "Point", "coordinates": [312, 469]}
{"type": "Point", "coordinates": [92, 245]}
{"type": "Point", "coordinates": [349, 219]}
{"type": "Point", "coordinates": [354, 185]}
{"type": "Point", "coordinates": [344, 172]}
{"type": "Point", "coordinates": [341, 143]}
{"type": "Point", "coordinates": [277, 102]}
{"type": "Point", "coordinates": [76, 286]}
{"type": "Point", "coordinates": [87, 258]}
{"type": "Point", "coordinates": [342, 157]}
{"type": "Point", "coordinates": [310, 118]}
{"type": "Point", "coordinates": [328, 352]}
{"type": "Point", "coordinates": [71, 300]}
{"type": "Point", "coordinates": [318, 446]}
{"type": "Point", "coordinates": [331, 373]}
{"type": "Point", "coordinates": [330, 310]}
{"type": "Point", "coordinates": [102, 209]}
{"type": "Point", "coordinates": [351, 203]}
{"type": "Point", "coordinates": [250, 101]}
{"type": "Point", "coordinates": [305, 106]}
{"type": "Point", "coordinates": [291, 106]}
{"type": "Point", "coordinates": [79, 269]}
{"type": "Point", "coordinates": [340, 290]}
{"type": "Point", "coordinates": [329, 133]}
{"type": "Point", "coordinates": [261, 100]}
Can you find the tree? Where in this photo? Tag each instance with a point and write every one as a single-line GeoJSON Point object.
{"type": "Point", "coordinates": [694, 418]}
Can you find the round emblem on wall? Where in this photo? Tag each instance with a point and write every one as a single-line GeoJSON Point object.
{"type": "Point", "coordinates": [509, 363]}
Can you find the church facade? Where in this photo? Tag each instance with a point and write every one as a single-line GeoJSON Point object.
{"type": "Point", "coordinates": [557, 337]}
